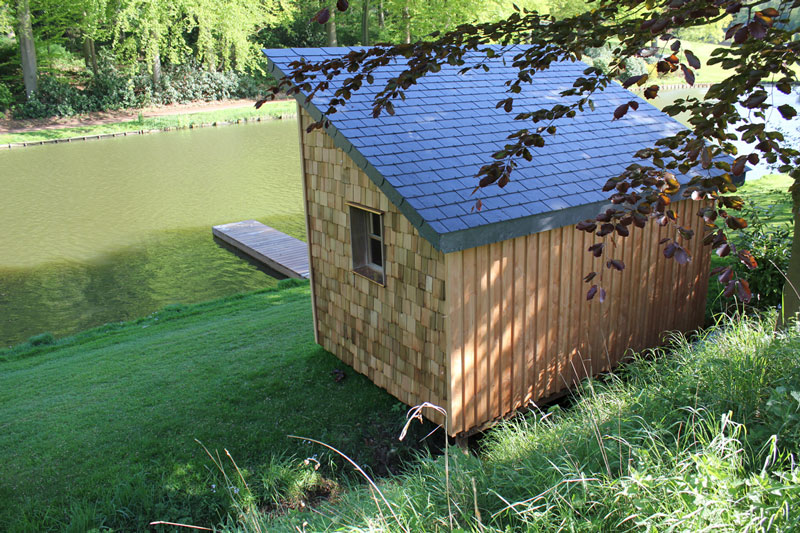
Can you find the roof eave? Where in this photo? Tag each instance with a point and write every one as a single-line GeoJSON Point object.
{"type": "Point", "coordinates": [510, 229]}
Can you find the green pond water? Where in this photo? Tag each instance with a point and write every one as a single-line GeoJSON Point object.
{"type": "Point", "coordinates": [104, 231]}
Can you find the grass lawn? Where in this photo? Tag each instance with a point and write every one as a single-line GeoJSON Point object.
{"type": "Point", "coordinates": [270, 109]}
{"type": "Point", "coordinates": [703, 438]}
{"type": "Point", "coordinates": [771, 191]}
{"type": "Point", "coordinates": [99, 429]}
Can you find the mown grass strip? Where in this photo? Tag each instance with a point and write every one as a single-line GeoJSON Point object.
{"type": "Point", "coordinates": [267, 111]}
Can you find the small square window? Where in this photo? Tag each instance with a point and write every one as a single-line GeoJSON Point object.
{"type": "Point", "coordinates": [366, 236]}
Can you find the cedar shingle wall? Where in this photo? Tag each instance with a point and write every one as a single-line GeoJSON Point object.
{"type": "Point", "coordinates": [520, 328]}
{"type": "Point", "coordinates": [392, 334]}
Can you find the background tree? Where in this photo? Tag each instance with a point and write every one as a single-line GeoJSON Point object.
{"type": "Point", "coordinates": [764, 50]}
{"type": "Point", "coordinates": [27, 46]}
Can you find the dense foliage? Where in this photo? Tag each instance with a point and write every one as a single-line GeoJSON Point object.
{"type": "Point", "coordinates": [111, 89]}
{"type": "Point", "coordinates": [116, 53]}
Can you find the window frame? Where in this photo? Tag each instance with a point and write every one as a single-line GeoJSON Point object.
{"type": "Point", "coordinates": [363, 238]}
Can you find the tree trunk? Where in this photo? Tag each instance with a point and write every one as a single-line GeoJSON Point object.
{"type": "Point", "coordinates": [156, 70]}
{"type": "Point", "coordinates": [89, 54]}
{"type": "Point", "coordinates": [407, 22]}
{"type": "Point", "coordinates": [365, 24]}
{"type": "Point", "coordinates": [27, 47]}
{"type": "Point", "coordinates": [380, 15]}
{"type": "Point", "coordinates": [331, 27]}
{"type": "Point", "coordinates": [791, 300]}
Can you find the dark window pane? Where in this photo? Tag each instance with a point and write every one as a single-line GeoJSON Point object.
{"type": "Point", "coordinates": [376, 224]}
{"type": "Point", "coordinates": [376, 253]}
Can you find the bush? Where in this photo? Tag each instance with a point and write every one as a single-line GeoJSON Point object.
{"type": "Point", "coordinates": [6, 98]}
{"type": "Point", "coordinates": [634, 66]}
{"type": "Point", "coordinates": [54, 97]}
{"type": "Point", "coordinates": [42, 339]}
{"type": "Point", "coordinates": [771, 247]}
{"type": "Point", "coordinates": [110, 90]}
{"type": "Point", "coordinates": [113, 89]}
{"type": "Point", "coordinates": [601, 57]}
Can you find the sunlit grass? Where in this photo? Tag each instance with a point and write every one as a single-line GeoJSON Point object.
{"type": "Point", "coordinates": [268, 110]}
{"type": "Point", "coordinates": [701, 438]}
{"type": "Point", "coordinates": [98, 430]}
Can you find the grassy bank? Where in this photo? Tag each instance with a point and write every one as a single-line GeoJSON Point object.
{"type": "Point", "coordinates": [267, 111]}
{"type": "Point", "coordinates": [98, 430]}
{"type": "Point", "coordinates": [704, 439]}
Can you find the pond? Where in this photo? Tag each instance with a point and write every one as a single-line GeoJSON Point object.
{"type": "Point", "coordinates": [110, 230]}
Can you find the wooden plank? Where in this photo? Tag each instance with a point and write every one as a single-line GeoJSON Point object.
{"type": "Point", "coordinates": [542, 318]}
{"type": "Point", "coordinates": [554, 286]}
{"type": "Point", "coordinates": [519, 372]}
{"type": "Point", "coordinates": [470, 357]}
{"type": "Point", "coordinates": [531, 306]}
{"type": "Point", "coordinates": [639, 287]}
{"type": "Point", "coordinates": [653, 251]}
{"type": "Point", "coordinates": [482, 334]}
{"type": "Point", "coordinates": [629, 290]}
{"type": "Point", "coordinates": [507, 324]}
{"type": "Point", "coordinates": [455, 299]}
{"type": "Point", "coordinates": [566, 313]}
{"type": "Point", "coordinates": [279, 251]}
{"type": "Point", "coordinates": [583, 263]}
{"type": "Point", "coordinates": [495, 327]}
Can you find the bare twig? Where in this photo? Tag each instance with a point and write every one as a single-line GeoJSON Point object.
{"type": "Point", "coordinates": [163, 523]}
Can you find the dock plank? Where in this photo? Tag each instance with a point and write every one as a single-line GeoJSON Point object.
{"type": "Point", "coordinates": [279, 251]}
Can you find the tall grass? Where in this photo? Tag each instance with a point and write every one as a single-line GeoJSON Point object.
{"type": "Point", "coordinates": [702, 438]}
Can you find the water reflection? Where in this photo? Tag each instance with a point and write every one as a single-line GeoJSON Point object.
{"type": "Point", "coordinates": [112, 230]}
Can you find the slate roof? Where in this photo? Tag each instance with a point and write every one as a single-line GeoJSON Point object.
{"type": "Point", "coordinates": [425, 157]}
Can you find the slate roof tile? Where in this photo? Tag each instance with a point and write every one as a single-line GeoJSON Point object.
{"type": "Point", "coordinates": [448, 127]}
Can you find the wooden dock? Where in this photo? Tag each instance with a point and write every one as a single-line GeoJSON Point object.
{"type": "Point", "coordinates": [278, 251]}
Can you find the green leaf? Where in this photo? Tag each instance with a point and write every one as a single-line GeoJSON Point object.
{"type": "Point", "coordinates": [787, 111]}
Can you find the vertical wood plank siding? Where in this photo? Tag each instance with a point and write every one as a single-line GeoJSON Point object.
{"type": "Point", "coordinates": [393, 333]}
{"type": "Point", "coordinates": [519, 326]}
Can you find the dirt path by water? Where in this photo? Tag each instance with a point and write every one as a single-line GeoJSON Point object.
{"type": "Point", "coordinates": [111, 117]}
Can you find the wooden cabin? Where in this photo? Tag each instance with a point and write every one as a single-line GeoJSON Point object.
{"type": "Point", "coordinates": [480, 312]}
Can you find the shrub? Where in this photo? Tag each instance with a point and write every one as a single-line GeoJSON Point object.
{"type": "Point", "coordinates": [771, 247]}
{"type": "Point", "coordinates": [54, 97]}
{"type": "Point", "coordinates": [113, 89]}
{"type": "Point", "coordinates": [6, 98]}
{"type": "Point", "coordinates": [42, 339]}
{"type": "Point", "coordinates": [110, 90]}
{"type": "Point", "coordinates": [634, 66]}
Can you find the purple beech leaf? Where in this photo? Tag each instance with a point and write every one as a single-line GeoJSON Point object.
{"type": "Point", "coordinates": [743, 290]}
{"type": "Point", "coordinates": [730, 288]}
{"type": "Point", "coordinates": [682, 256]}
{"type": "Point", "coordinates": [691, 59]}
{"type": "Point", "coordinates": [747, 259]}
{"type": "Point", "coordinates": [322, 16]}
